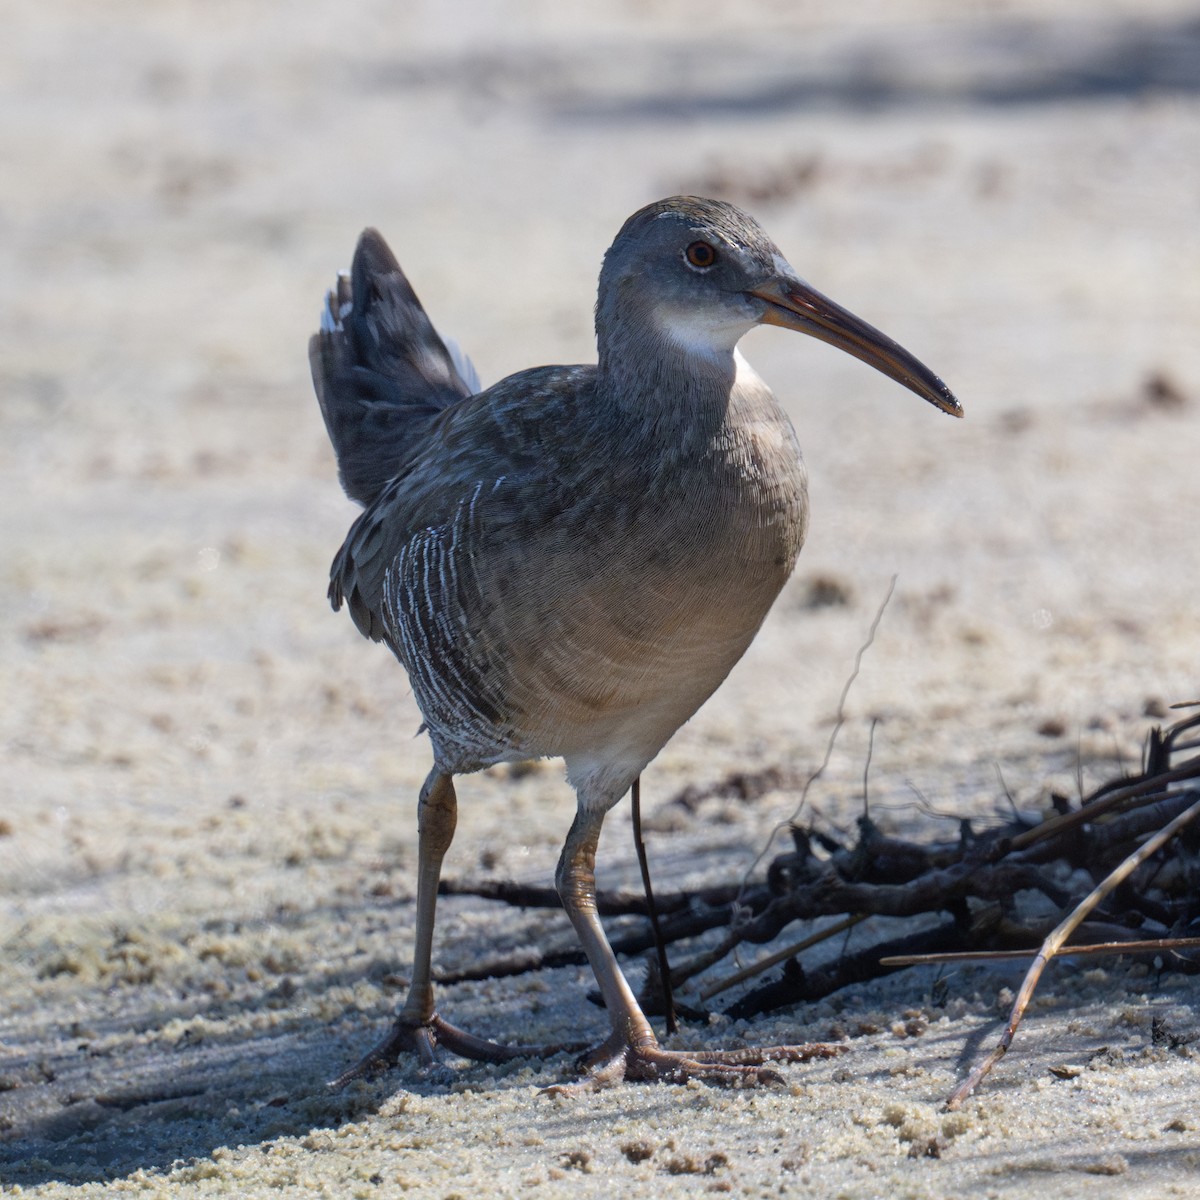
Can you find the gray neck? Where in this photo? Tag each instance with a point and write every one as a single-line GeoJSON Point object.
{"type": "Point", "coordinates": [653, 379]}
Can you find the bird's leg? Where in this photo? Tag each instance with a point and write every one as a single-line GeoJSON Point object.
{"type": "Point", "coordinates": [575, 879]}
{"type": "Point", "coordinates": [437, 819]}
{"type": "Point", "coordinates": [631, 1051]}
{"type": "Point", "coordinates": [417, 1026]}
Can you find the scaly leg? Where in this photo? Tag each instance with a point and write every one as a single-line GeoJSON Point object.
{"type": "Point", "coordinates": [631, 1051]}
{"type": "Point", "coordinates": [417, 1026]}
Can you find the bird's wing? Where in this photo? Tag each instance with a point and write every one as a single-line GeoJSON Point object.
{"type": "Point", "coordinates": [380, 369]}
{"type": "Point", "coordinates": [475, 481]}
{"type": "Point", "coordinates": [431, 566]}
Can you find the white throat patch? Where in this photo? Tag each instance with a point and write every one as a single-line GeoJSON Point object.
{"type": "Point", "coordinates": [702, 333]}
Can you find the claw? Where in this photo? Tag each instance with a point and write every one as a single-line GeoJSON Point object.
{"type": "Point", "coordinates": [424, 1039]}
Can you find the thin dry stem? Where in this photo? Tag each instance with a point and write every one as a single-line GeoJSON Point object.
{"type": "Point", "coordinates": [765, 964]}
{"type": "Point", "coordinates": [1090, 811]}
{"type": "Point", "coordinates": [660, 945]}
{"type": "Point", "coordinates": [839, 721]}
{"type": "Point", "coordinates": [1053, 944]}
{"type": "Point", "coordinates": [1141, 946]}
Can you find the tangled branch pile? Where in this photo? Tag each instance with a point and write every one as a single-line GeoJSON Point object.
{"type": "Point", "coordinates": [970, 882]}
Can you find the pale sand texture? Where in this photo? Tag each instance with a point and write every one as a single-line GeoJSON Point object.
{"type": "Point", "coordinates": [209, 780]}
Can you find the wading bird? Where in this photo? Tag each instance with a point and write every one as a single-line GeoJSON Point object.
{"type": "Point", "coordinates": [569, 563]}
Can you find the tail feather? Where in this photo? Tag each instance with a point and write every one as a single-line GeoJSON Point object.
{"type": "Point", "coordinates": [379, 367]}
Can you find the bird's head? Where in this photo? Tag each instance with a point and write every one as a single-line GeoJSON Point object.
{"type": "Point", "coordinates": [703, 274]}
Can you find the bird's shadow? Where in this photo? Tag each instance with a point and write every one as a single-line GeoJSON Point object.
{"type": "Point", "coordinates": [169, 1079]}
{"type": "Point", "coordinates": [100, 1081]}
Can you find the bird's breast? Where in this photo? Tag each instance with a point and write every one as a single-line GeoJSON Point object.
{"type": "Point", "coordinates": [680, 575]}
{"type": "Point", "coordinates": [602, 601]}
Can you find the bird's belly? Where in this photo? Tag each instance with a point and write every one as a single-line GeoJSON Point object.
{"type": "Point", "coordinates": [627, 665]}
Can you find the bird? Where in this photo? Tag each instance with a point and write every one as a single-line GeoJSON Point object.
{"type": "Point", "coordinates": [568, 563]}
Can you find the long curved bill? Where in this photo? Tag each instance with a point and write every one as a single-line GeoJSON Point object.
{"type": "Point", "coordinates": [793, 304]}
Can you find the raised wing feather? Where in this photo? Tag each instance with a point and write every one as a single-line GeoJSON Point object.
{"type": "Point", "coordinates": [380, 369]}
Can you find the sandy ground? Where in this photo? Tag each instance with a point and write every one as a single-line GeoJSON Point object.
{"type": "Point", "coordinates": [207, 818]}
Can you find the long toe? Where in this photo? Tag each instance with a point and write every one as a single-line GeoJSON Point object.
{"type": "Point", "coordinates": [650, 1063]}
{"type": "Point", "coordinates": [467, 1045]}
{"type": "Point", "coordinates": [424, 1040]}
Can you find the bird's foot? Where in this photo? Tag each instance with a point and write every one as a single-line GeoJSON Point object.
{"type": "Point", "coordinates": [610, 1064]}
{"type": "Point", "coordinates": [423, 1039]}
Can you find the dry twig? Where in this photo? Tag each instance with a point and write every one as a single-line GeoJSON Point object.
{"type": "Point", "coordinates": [1133, 946]}
{"type": "Point", "coordinates": [1055, 941]}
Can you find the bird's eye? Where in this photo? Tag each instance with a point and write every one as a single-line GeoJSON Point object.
{"type": "Point", "coordinates": [700, 255]}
